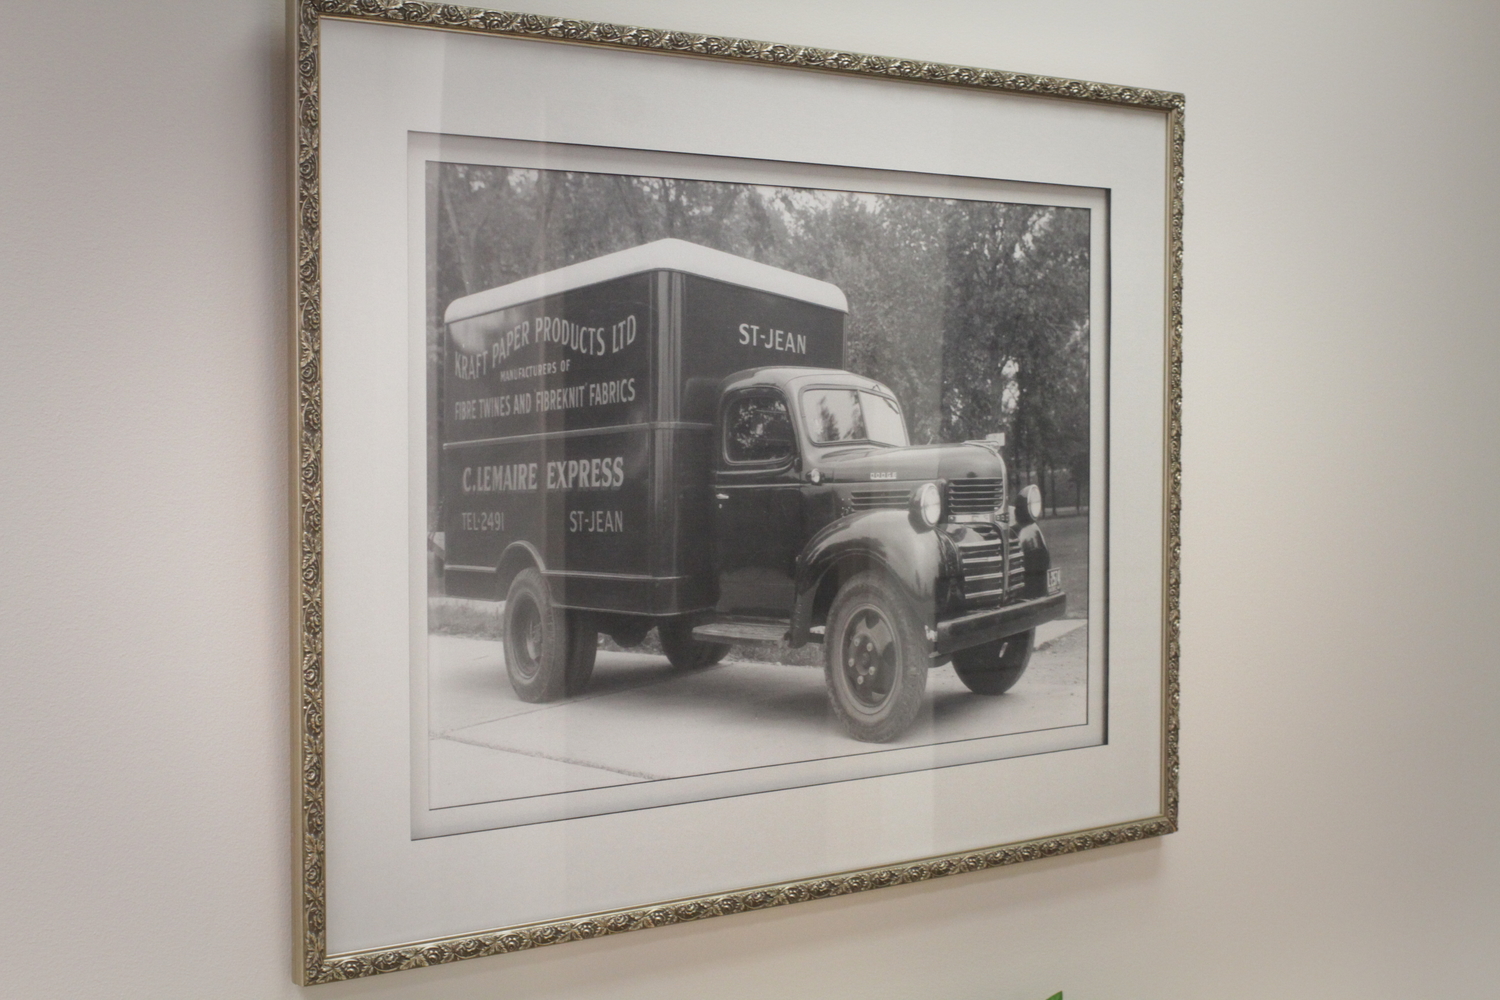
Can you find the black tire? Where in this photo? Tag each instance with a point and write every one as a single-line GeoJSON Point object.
{"type": "Point", "coordinates": [583, 645]}
{"type": "Point", "coordinates": [686, 652]}
{"type": "Point", "coordinates": [875, 659]}
{"type": "Point", "coordinates": [995, 667]}
{"type": "Point", "coordinates": [549, 651]}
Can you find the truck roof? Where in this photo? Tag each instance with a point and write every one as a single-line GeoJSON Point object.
{"type": "Point", "coordinates": [789, 377]}
{"type": "Point", "coordinates": [662, 255]}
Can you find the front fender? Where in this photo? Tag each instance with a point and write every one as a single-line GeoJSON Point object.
{"type": "Point", "coordinates": [922, 563]}
{"type": "Point", "coordinates": [1038, 559]}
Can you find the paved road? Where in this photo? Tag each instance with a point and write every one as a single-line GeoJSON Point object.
{"type": "Point", "coordinates": [641, 719]}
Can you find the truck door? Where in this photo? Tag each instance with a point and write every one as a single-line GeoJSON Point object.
{"type": "Point", "coordinates": [759, 525]}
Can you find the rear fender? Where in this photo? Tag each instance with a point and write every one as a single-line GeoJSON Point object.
{"type": "Point", "coordinates": [517, 556]}
{"type": "Point", "coordinates": [921, 563]}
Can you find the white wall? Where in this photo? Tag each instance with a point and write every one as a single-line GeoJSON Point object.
{"type": "Point", "coordinates": [1341, 821]}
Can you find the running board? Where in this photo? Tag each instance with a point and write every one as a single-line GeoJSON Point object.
{"type": "Point", "coordinates": [741, 631]}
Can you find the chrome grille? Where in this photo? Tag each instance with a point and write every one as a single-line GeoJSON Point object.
{"type": "Point", "coordinates": [1015, 579]}
{"type": "Point", "coordinates": [873, 499]}
{"type": "Point", "coordinates": [982, 551]}
{"type": "Point", "coordinates": [975, 496]}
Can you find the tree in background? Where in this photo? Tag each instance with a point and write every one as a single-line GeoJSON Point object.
{"type": "Point", "coordinates": [975, 313]}
{"type": "Point", "coordinates": [1016, 322]}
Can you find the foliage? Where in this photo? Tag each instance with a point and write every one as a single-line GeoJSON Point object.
{"type": "Point", "coordinates": [975, 313]}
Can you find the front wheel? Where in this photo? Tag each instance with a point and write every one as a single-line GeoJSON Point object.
{"type": "Point", "coordinates": [995, 667]}
{"type": "Point", "coordinates": [875, 659]}
{"type": "Point", "coordinates": [549, 651]}
{"type": "Point", "coordinates": [685, 651]}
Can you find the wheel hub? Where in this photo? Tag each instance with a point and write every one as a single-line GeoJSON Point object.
{"type": "Point", "coordinates": [870, 657]}
{"type": "Point", "coordinates": [529, 648]}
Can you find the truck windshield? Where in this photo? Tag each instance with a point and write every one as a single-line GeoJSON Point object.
{"type": "Point", "coordinates": [840, 416]}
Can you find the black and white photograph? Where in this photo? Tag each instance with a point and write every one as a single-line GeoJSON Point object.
{"type": "Point", "coordinates": [722, 486]}
{"type": "Point", "coordinates": [736, 486]}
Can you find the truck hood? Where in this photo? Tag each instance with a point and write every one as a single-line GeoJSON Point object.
{"type": "Point", "coordinates": [916, 463]}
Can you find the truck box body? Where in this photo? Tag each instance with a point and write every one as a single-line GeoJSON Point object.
{"type": "Point", "coordinates": [577, 418]}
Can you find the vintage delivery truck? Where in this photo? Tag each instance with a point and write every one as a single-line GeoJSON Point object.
{"type": "Point", "coordinates": [665, 438]}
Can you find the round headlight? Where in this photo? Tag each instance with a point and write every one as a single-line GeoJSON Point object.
{"type": "Point", "coordinates": [1031, 496]}
{"type": "Point", "coordinates": [929, 503]}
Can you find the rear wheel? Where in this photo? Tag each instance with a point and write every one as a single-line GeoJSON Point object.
{"type": "Point", "coordinates": [686, 652]}
{"type": "Point", "coordinates": [995, 667]}
{"type": "Point", "coordinates": [875, 659]}
{"type": "Point", "coordinates": [549, 651]}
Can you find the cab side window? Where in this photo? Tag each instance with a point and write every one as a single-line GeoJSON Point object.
{"type": "Point", "coordinates": [758, 428]}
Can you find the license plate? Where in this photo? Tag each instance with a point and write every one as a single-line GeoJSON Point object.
{"type": "Point", "coordinates": [1054, 581]}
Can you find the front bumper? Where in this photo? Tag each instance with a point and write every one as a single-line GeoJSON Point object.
{"type": "Point", "coordinates": [993, 624]}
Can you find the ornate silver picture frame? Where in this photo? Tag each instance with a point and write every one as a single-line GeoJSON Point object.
{"type": "Point", "coordinates": [728, 474]}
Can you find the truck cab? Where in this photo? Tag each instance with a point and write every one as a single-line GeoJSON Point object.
{"type": "Point", "coordinates": [619, 456]}
{"type": "Point", "coordinates": [818, 491]}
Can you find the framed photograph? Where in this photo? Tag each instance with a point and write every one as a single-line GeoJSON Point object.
{"type": "Point", "coordinates": [728, 474]}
